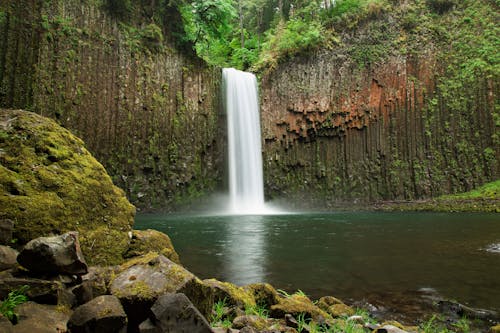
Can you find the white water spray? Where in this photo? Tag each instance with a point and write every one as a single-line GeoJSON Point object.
{"type": "Point", "coordinates": [246, 185]}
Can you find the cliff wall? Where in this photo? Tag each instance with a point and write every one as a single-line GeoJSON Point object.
{"type": "Point", "coordinates": [147, 111]}
{"type": "Point", "coordinates": [404, 107]}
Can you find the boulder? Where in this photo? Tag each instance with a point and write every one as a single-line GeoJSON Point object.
{"type": "Point", "coordinates": [102, 314]}
{"type": "Point", "coordinates": [144, 241]}
{"type": "Point", "coordinates": [263, 293]}
{"type": "Point", "coordinates": [296, 305]}
{"type": "Point", "coordinates": [8, 257]}
{"type": "Point", "coordinates": [39, 318]}
{"type": "Point", "coordinates": [6, 227]}
{"type": "Point", "coordinates": [232, 294]}
{"type": "Point", "coordinates": [40, 291]}
{"type": "Point", "coordinates": [326, 301]}
{"type": "Point", "coordinates": [143, 279]}
{"type": "Point", "coordinates": [495, 329]}
{"type": "Point", "coordinates": [51, 184]}
{"type": "Point", "coordinates": [176, 313]}
{"type": "Point", "coordinates": [253, 321]}
{"type": "Point", "coordinates": [341, 310]}
{"type": "Point", "coordinates": [389, 329]}
{"type": "Point", "coordinates": [99, 278]}
{"type": "Point", "coordinates": [5, 324]}
{"type": "Point", "coordinates": [54, 255]}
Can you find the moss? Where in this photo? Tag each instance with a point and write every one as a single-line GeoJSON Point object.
{"type": "Point", "coordinates": [233, 294]}
{"type": "Point", "coordinates": [144, 241]}
{"type": "Point", "coordinates": [298, 304]}
{"type": "Point", "coordinates": [50, 184]}
{"type": "Point", "coordinates": [264, 294]}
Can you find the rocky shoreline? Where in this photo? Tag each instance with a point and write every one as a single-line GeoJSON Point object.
{"type": "Point", "coordinates": [153, 292]}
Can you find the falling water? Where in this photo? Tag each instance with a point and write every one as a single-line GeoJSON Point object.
{"type": "Point", "coordinates": [246, 185]}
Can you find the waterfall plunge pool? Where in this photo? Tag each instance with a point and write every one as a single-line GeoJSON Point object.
{"type": "Point", "coordinates": [356, 256]}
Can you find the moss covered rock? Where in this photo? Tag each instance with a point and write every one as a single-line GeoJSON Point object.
{"type": "Point", "coordinates": [50, 184]}
{"type": "Point", "coordinates": [341, 310]}
{"type": "Point", "coordinates": [264, 294]}
{"type": "Point", "coordinates": [232, 294]}
{"type": "Point", "coordinates": [296, 305]}
{"type": "Point", "coordinates": [144, 241]}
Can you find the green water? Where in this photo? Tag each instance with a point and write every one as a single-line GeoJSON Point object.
{"type": "Point", "coordinates": [349, 255]}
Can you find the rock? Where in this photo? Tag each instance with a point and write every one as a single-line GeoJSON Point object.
{"type": "Point", "coordinates": [341, 310]}
{"type": "Point", "coordinates": [102, 314]}
{"type": "Point", "coordinates": [99, 278]}
{"type": "Point", "coordinates": [144, 241]}
{"type": "Point", "coordinates": [143, 279]}
{"type": "Point", "coordinates": [5, 325]}
{"type": "Point", "coordinates": [51, 184]}
{"type": "Point", "coordinates": [176, 313]}
{"type": "Point", "coordinates": [254, 321]}
{"type": "Point", "coordinates": [232, 294]}
{"type": "Point", "coordinates": [53, 255]}
{"type": "Point", "coordinates": [8, 257]}
{"type": "Point", "coordinates": [147, 326]}
{"type": "Point", "coordinates": [263, 293]}
{"type": "Point", "coordinates": [248, 330]}
{"type": "Point", "coordinates": [296, 305]}
{"type": "Point", "coordinates": [456, 310]}
{"type": "Point", "coordinates": [325, 302]}
{"type": "Point", "coordinates": [40, 318]}
{"type": "Point", "coordinates": [83, 293]}
{"type": "Point", "coordinates": [357, 319]}
{"type": "Point", "coordinates": [6, 227]}
{"type": "Point", "coordinates": [389, 329]}
{"type": "Point", "coordinates": [40, 291]}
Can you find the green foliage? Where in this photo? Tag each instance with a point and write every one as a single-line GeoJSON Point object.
{"type": "Point", "coordinates": [219, 315]}
{"type": "Point", "coordinates": [14, 298]}
{"type": "Point", "coordinates": [258, 310]}
{"type": "Point", "coordinates": [487, 191]}
{"type": "Point", "coordinates": [152, 37]}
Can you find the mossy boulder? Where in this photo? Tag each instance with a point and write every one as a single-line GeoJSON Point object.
{"type": "Point", "coordinates": [263, 293]}
{"type": "Point", "coordinates": [326, 301]}
{"type": "Point", "coordinates": [495, 329]}
{"type": "Point", "coordinates": [341, 310]}
{"type": "Point", "coordinates": [142, 280]}
{"type": "Point", "coordinates": [144, 241]}
{"type": "Point", "coordinates": [296, 305]}
{"type": "Point", "coordinates": [232, 294]}
{"type": "Point", "coordinates": [51, 184]}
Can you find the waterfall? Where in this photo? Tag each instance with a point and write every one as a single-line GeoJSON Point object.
{"type": "Point", "coordinates": [246, 184]}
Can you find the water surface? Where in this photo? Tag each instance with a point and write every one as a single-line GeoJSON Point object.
{"type": "Point", "coordinates": [348, 255]}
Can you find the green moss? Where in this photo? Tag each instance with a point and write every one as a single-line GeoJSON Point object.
{"type": "Point", "coordinates": [144, 241]}
{"type": "Point", "coordinates": [298, 304]}
{"type": "Point", "coordinates": [233, 294]}
{"type": "Point", "coordinates": [50, 184]}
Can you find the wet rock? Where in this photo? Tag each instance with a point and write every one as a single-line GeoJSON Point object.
{"type": "Point", "coordinates": [248, 330]}
{"type": "Point", "coordinates": [40, 291]}
{"type": "Point", "coordinates": [341, 310]}
{"type": "Point", "coordinates": [250, 320]}
{"type": "Point", "coordinates": [357, 319]}
{"type": "Point", "coordinates": [296, 305]}
{"type": "Point", "coordinates": [102, 314]}
{"type": "Point", "coordinates": [145, 241]}
{"type": "Point", "coordinates": [263, 293]}
{"type": "Point", "coordinates": [39, 318]}
{"type": "Point", "coordinates": [8, 257]}
{"type": "Point", "coordinates": [54, 255]}
{"type": "Point", "coordinates": [147, 326]}
{"type": "Point", "coordinates": [176, 313]}
{"type": "Point", "coordinates": [143, 279]}
{"type": "Point", "coordinates": [83, 293]}
{"type": "Point", "coordinates": [232, 294]}
{"type": "Point", "coordinates": [456, 310]}
{"type": "Point", "coordinates": [6, 228]}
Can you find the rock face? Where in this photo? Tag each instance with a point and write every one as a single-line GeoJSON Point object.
{"type": "Point", "coordinates": [54, 255]}
{"type": "Point", "coordinates": [375, 119]}
{"type": "Point", "coordinates": [130, 104]}
{"type": "Point", "coordinates": [40, 318]}
{"type": "Point", "coordinates": [50, 184]}
{"type": "Point", "coordinates": [102, 314]}
{"type": "Point", "coordinates": [176, 313]}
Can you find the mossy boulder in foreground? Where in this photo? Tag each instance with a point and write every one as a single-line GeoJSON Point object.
{"type": "Point", "coordinates": [51, 184]}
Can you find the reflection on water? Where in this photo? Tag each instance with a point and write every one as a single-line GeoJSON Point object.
{"type": "Point", "coordinates": [348, 255]}
{"type": "Point", "coordinates": [246, 249]}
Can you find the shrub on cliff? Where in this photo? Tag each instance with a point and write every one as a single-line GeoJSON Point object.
{"type": "Point", "coordinates": [50, 184]}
